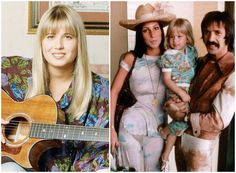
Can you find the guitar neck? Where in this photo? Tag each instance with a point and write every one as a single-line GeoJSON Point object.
{"type": "Point", "coordinates": [69, 132]}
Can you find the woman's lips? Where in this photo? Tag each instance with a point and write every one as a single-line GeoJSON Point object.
{"type": "Point", "coordinates": [58, 55]}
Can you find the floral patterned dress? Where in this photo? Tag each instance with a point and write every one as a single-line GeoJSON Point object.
{"type": "Point", "coordinates": [72, 155]}
{"type": "Point", "coordinates": [182, 67]}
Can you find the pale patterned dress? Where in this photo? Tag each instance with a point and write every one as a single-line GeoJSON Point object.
{"type": "Point", "coordinates": [140, 142]}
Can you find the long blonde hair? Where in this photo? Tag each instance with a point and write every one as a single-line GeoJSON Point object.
{"type": "Point", "coordinates": [183, 26]}
{"type": "Point", "coordinates": [57, 17]}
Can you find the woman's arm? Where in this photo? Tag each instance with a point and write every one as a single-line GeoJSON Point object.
{"type": "Point", "coordinates": [15, 75]}
{"type": "Point", "coordinates": [115, 89]}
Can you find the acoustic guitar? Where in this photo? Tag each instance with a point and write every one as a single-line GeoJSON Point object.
{"type": "Point", "coordinates": [32, 129]}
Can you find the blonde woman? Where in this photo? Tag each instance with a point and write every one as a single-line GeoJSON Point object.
{"type": "Point", "coordinates": [60, 68]}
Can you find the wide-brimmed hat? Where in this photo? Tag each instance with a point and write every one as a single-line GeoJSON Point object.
{"type": "Point", "coordinates": [147, 13]}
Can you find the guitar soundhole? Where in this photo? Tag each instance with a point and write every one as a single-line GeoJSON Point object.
{"type": "Point", "coordinates": [17, 130]}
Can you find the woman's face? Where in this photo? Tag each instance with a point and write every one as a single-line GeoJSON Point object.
{"type": "Point", "coordinates": [151, 32]}
{"type": "Point", "coordinates": [60, 49]}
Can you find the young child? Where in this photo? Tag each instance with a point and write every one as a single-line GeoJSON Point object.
{"type": "Point", "coordinates": [177, 63]}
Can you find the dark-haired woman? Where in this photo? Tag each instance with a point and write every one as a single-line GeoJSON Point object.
{"type": "Point", "coordinates": [139, 141]}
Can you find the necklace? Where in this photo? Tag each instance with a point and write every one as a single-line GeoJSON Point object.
{"type": "Point", "coordinates": [154, 100]}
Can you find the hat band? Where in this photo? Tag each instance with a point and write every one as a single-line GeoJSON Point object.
{"type": "Point", "coordinates": [152, 15]}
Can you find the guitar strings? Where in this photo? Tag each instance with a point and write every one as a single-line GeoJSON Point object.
{"type": "Point", "coordinates": [60, 128]}
{"type": "Point", "coordinates": [60, 135]}
{"type": "Point", "coordinates": [65, 129]}
{"type": "Point", "coordinates": [42, 124]}
{"type": "Point", "coordinates": [68, 128]}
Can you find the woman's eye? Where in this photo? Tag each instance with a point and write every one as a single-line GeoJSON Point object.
{"type": "Point", "coordinates": [50, 36]}
{"type": "Point", "coordinates": [68, 36]}
{"type": "Point", "coordinates": [144, 30]}
{"type": "Point", "coordinates": [156, 28]}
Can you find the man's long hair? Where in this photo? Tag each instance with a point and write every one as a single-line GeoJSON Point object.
{"type": "Point", "coordinates": [226, 20]}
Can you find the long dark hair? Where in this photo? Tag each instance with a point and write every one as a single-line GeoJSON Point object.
{"type": "Point", "coordinates": [141, 47]}
{"type": "Point", "coordinates": [226, 19]}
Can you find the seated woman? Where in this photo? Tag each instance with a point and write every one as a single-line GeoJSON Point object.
{"type": "Point", "coordinates": [60, 68]}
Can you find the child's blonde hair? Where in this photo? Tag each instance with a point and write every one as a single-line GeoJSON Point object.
{"type": "Point", "coordinates": [62, 16]}
{"type": "Point", "coordinates": [183, 26]}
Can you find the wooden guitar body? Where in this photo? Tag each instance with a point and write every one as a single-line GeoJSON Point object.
{"type": "Point", "coordinates": [21, 115]}
{"type": "Point", "coordinates": [32, 129]}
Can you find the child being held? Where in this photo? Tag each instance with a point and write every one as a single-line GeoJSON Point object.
{"type": "Point", "coordinates": [178, 63]}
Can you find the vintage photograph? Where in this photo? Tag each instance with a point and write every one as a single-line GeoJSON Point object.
{"type": "Point", "coordinates": [172, 93]}
{"type": "Point", "coordinates": [55, 89]}
{"type": "Point", "coordinates": [118, 86]}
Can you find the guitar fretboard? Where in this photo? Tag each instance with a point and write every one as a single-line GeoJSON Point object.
{"type": "Point", "coordinates": [69, 132]}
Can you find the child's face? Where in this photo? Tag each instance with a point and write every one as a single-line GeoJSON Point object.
{"type": "Point", "coordinates": [178, 40]}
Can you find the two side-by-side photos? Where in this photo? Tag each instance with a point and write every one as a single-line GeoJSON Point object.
{"type": "Point", "coordinates": [117, 86]}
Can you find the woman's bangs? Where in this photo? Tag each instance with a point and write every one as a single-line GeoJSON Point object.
{"type": "Point", "coordinates": [53, 26]}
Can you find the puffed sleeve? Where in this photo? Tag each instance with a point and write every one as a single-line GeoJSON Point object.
{"type": "Point", "coordinates": [15, 74]}
{"type": "Point", "coordinates": [168, 60]}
